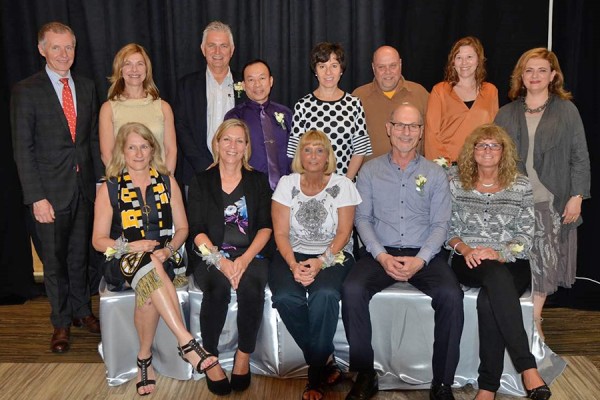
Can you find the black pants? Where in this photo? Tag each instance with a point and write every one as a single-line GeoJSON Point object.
{"type": "Point", "coordinates": [216, 291]}
{"type": "Point", "coordinates": [435, 279]}
{"type": "Point", "coordinates": [499, 315]}
{"type": "Point", "coordinates": [64, 252]}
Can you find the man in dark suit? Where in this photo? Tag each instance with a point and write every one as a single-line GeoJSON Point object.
{"type": "Point", "coordinates": [203, 98]}
{"type": "Point", "coordinates": [55, 141]}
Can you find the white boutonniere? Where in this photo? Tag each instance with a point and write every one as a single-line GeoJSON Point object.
{"type": "Point", "coordinates": [239, 88]}
{"type": "Point", "coordinates": [442, 162]}
{"type": "Point", "coordinates": [280, 118]}
{"type": "Point", "coordinates": [420, 181]}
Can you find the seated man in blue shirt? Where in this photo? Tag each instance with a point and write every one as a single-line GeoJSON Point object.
{"type": "Point", "coordinates": [268, 121]}
{"type": "Point", "coordinates": [403, 222]}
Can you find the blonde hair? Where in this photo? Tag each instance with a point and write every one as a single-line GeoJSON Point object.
{"type": "Point", "coordinates": [117, 161]}
{"type": "Point", "coordinates": [517, 89]}
{"type": "Point", "coordinates": [314, 137]}
{"type": "Point", "coordinates": [451, 75]}
{"type": "Point", "coordinates": [226, 125]}
{"type": "Point", "coordinates": [116, 79]}
{"type": "Point", "coordinates": [467, 166]}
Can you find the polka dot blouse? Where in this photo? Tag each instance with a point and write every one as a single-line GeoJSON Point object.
{"type": "Point", "coordinates": [343, 121]}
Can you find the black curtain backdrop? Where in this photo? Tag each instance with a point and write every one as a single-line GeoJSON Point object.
{"type": "Point", "coordinates": [283, 33]}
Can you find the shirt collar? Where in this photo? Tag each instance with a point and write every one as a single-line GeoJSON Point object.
{"type": "Point", "coordinates": [256, 106]}
{"type": "Point", "coordinates": [55, 78]}
{"type": "Point", "coordinates": [227, 81]}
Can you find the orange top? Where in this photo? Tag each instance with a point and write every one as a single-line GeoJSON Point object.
{"type": "Point", "coordinates": [449, 121]}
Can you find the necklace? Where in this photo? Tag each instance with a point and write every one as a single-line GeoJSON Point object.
{"type": "Point", "coordinates": [488, 185]}
{"type": "Point", "coordinates": [535, 110]}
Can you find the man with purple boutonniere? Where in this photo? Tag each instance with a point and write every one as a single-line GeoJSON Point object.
{"type": "Point", "coordinates": [269, 122]}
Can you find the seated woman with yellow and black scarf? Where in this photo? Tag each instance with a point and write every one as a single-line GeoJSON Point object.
{"type": "Point", "coordinates": [135, 211]}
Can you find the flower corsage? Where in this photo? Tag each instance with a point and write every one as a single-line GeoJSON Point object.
{"type": "Point", "coordinates": [121, 248]}
{"type": "Point", "coordinates": [442, 162]}
{"type": "Point", "coordinates": [280, 118]}
{"type": "Point", "coordinates": [420, 181]}
{"type": "Point", "coordinates": [511, 250]}
{"type": "Point", "coordinates": [329, 259]}
{"type": "Point", "coordinates": [239, 88]}
{"type": "Point", "coordinates": [210, 256]}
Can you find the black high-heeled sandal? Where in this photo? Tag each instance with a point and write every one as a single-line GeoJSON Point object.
{"type": "Point", "coordinates": [193, 345]}
{"type": "Point", "coordinates": [220, 387]}
{"type": "Point", "coordinates": [539, 393]}
{"type": "Point", "coordinates": [240, 382]}
{"type": "Point", "coordinates": [143, 366]}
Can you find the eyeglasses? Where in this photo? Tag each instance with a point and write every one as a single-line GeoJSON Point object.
{"type": "Point", "coordinates": [400, 126]}
{"type": "Point", "coordinates": [491, 146]}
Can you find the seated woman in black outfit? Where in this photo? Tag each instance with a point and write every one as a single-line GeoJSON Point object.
{"type": "Point", "coordinates": [229, 208]}
{"type": "Point", "coordinates": [135, 211]}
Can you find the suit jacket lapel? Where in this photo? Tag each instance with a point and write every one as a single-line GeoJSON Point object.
{"type": "Point", "coordinates": [56, 106]}
{"type": "Point", "coordinates": [81, 101]}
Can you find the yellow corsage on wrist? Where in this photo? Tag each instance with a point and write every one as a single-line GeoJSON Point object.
{"type": "Point", "coordinates": [516, 248]}
{"type": "Point", "coordinates": [110, 253]}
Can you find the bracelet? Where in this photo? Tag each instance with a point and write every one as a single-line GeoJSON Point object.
{"type": "Point", "coordinates": [327, 258]}
{"type": "Point", "coordinates": [169, 246]}
{"type": "Point", "coordinates": [455, 246]}
{"type": "Point", "coordinates": [578, 195]}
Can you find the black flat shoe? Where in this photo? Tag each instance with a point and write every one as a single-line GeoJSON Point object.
{"type": "Point", "coordinates": [539, 393]}
{"type": "Point", "coordinates": [440, 392]}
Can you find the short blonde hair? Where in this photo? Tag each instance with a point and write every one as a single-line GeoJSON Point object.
{"type": "Point", "coordinates": [116, 79]}
{"type": "Point", "coordinates": [314, 137]}
{"type": "Point", "coordinates": [117, 161]}
{"type": "Point", "coordinates": [226, 125]}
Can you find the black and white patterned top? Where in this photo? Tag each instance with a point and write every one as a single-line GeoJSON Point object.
{"type": "Point", "coordinates": [496, 220]}
{"type": "Point", "coordinates": [343, 121]}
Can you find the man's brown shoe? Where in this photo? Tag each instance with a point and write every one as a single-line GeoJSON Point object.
{"type": "Point", "coordinates": [90, 322]}
{"type": "Point", "coordinates": [60, 340]}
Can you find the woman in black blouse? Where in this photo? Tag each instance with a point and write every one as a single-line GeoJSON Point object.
{"type": "Point", "coordinates": [229, 209]}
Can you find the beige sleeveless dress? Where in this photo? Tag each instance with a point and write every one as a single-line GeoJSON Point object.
{"type": "Point", "coordinates": [146, 111]}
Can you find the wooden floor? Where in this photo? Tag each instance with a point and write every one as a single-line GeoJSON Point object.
{"type": "Point", "coordinates": [28, 370]}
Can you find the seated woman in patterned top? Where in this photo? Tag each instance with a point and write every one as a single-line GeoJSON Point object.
{"type": "Point", "coordinates": [313, 215]}
{"type": "Point", "coordinates": [491, 234]}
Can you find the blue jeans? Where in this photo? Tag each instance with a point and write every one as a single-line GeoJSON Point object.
{"type": "Point", "coordinates": [311, 320]}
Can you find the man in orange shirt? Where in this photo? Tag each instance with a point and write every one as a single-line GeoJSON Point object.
{"type": "Point", "coordinates": [388, 90]}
